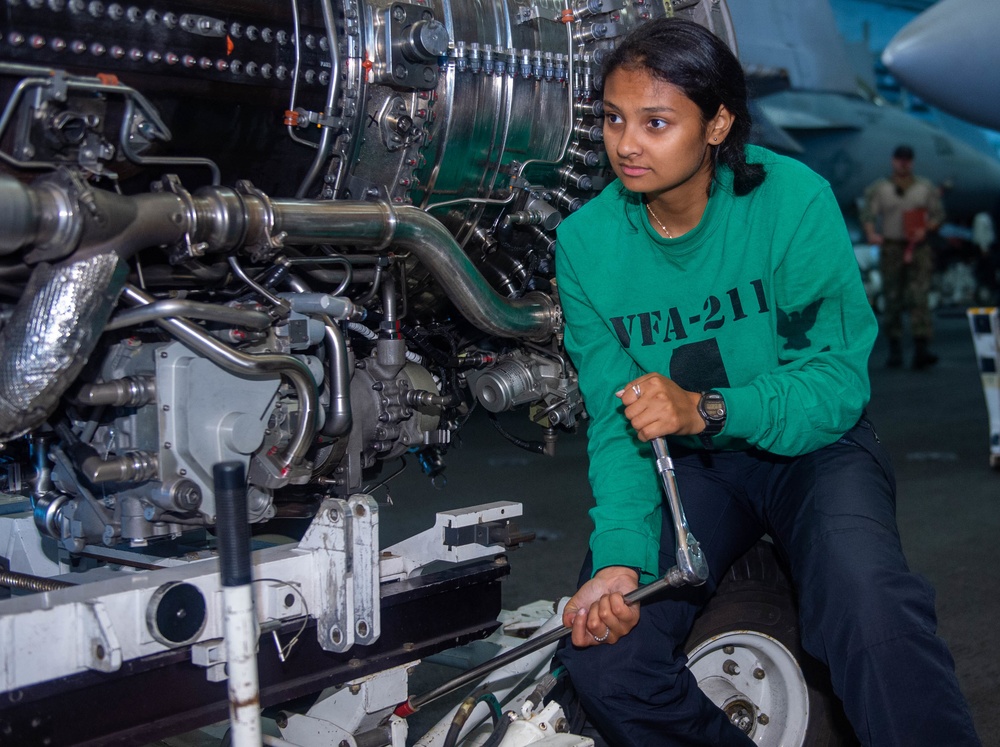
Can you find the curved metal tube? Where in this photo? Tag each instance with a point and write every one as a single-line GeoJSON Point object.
{"type": "Point", "coordinates": [191, 310]}
{"type": "Point", "coordinates": [125, 145]}
{"type": "Point", "coordinates": [339, 418]}
{"type": "Point", "coordinates": [249, 365]}
{"type": "Point", "coordinates": [151, 220]}
{"type": "Point", "coordinates": [333, 93]}
{"type": "Point", "coordinates": [372, 226]}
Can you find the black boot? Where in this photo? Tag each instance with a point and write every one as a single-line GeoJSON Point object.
{"type": "Point", "coordinates": [895, 359]}
{"type": "Point", "coordinates": [922, 356]}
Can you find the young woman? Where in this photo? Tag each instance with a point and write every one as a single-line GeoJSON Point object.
{"type": "Point", "coordinates": [712, 296]}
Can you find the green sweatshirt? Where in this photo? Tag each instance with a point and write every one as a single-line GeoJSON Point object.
{"type": "Point", "coordinates": [762, 301]}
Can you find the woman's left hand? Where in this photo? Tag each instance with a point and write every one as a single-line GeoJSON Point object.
{"type": "Point", "coordinates": [656, 407]}
{"type": "Point", "coordinates": [598, 612]}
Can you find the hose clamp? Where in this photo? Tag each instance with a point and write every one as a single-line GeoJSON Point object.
{"type": "Point", "coordinates": [265, 242]}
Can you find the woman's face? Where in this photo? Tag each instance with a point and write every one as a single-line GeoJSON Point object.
{"type": "Point", "coordinates": [656, 138]}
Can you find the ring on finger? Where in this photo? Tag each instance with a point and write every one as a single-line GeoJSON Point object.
{"type": "Point", "coordinates": [603, 638]}
{"type": "Point", "coordinates": [635, 388]}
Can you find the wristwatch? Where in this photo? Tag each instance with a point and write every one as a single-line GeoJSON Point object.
{"type": "Point", "coordinates": [712, 408]}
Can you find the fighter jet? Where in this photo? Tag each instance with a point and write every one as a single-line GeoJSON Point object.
{"type": "Point", "coordinates": [808, 105]}
{"type": "Point", "coordinates": [949, 56]}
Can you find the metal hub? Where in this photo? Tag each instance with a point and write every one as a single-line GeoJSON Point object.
{"type": "Point", "coordinates": [757, 682]}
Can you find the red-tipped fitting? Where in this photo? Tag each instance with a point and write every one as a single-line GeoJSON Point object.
{"type": "Point", "coordinates": [404, 709]}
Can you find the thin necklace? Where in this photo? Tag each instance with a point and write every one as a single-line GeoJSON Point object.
{"type": "Point", "coordinates": [658, 221]}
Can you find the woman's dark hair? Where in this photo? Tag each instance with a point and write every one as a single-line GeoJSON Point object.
{"type": "Point", "coordinates": [696, 61]}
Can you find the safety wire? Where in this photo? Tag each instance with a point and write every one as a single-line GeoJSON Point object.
{"type": "Point", "coordinates": [369, 489]}
{"type": "Point", "coordinates": [285, 651]}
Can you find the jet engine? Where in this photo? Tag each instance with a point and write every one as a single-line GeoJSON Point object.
{"type": "Point", "coordinates": [305, 237]}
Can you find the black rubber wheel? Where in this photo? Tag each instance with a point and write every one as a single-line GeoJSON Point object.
{"type": "Point", "coordinates": [744, 649]}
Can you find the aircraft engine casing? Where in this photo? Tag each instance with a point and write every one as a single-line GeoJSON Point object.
{"type": "Point", "coordinates": [381, 263]}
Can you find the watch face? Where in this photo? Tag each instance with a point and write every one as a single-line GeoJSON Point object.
{"type": "Point", "coordinates": [715, 409]}
{"type": "Point", "coordinates": [714, 406]}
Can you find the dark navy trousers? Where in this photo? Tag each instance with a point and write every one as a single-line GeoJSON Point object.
{"type": "Point", "coordinates": [862, 612]}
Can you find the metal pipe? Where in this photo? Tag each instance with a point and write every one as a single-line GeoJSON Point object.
{"type": "Point", "coordinates": [339, 418]}
{"type": "Point", "coordinates": [59, 219]}
{"type": "Point", "coordinates": [260, 365]}
{"type": "Point", "coordinates": [363, 225]}
{"type": "Point", "coordinates": [333, 93]}
{"type": "Point", "coordinates": [389, 317]}
{"type": "Point", "coordinates": [372, 226]}
{"type": "Point", "coordinates": [134, 466]}
{"type": "Point", "coordinates": [41, 483]}
{"type": "Point", "coordinates": [174, 162]}
{"type": "Point", "coordinates": [324, 275]}
{"type": "Point", "coordinates": [257, 287]}
{"type": "Point", "coordinates": [19, 215]}
{"type": "Point", "coordinates": [190, 310]}
{"type": "Point", "coordinates": [571, 100]}
{"type": "Point", "coordinates": [128, 391]}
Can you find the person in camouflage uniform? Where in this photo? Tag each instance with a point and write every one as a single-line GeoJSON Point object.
{"type": "Point", "coordinates": [898, 214]}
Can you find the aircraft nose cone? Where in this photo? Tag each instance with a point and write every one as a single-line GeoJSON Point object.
{"type": "Point", "coordinates": [949, 56]}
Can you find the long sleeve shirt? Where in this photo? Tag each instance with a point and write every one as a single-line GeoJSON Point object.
{"type": "Point", "coordinates": [762, 301]}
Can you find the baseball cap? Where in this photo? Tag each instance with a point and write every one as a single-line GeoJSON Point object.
{"type": "Point", "coordinates": [904, 152]}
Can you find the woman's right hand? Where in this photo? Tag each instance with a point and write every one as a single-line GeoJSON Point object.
{"type": "Point", "coordinates": [598, 613]}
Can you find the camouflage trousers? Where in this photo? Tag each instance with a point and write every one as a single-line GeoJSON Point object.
{"type": "Point", "coordinates": [906, 284]}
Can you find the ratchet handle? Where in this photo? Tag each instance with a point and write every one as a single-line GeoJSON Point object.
{"type": "Point", "coordinates": [691, 563]}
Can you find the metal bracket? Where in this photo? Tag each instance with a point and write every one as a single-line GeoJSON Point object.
{"type": "Point", "coordinates": [99, 647]}
{"type": "Point", "coordinates": [432, 544]}
{"type": "Point", "coordinates": [344, 540]}
{"type": "Point", "coordinates": [212, 656]}
{"type": "Point", "coordinates": [409, 46]}
{"type": "Point", "coordinates": [395, 123]}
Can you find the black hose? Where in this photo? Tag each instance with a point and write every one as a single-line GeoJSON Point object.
{"type": "Point", "coordinates": [501, 731]}
{"type": "Point", "coordinates": [458, 721]}
{"type": "Point", "coordinates": [465, 710]}
{"type": "Point", "coordinates": [536, 447]}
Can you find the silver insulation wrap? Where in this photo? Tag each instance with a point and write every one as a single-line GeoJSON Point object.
{"type": "Point", "coordinates": [51, 333]}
